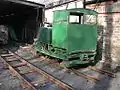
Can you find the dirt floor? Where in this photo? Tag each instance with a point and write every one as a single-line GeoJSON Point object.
{"type": "Point", "coordinates": [8, 82]}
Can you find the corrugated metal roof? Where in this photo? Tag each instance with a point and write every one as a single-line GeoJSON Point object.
{"type": "Point", "coordinates": [43, 1]}
{"type": "Point", "coordinates": [46, 2]}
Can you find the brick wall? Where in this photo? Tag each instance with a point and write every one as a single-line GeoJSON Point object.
{"type": "Point", "coordinates": [109, 30]}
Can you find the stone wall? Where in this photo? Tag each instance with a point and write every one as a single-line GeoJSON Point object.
{"type": "Point", "coordinates": [109, 30]}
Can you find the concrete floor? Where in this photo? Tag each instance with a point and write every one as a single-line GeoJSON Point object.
{"type": "Point", "coordinates": [7, 82]}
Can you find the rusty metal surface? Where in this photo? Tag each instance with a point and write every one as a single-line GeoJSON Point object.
{"type": "Point", "coordinates": [111, 74]}
{"type": "Point", "coordinates": [89, 77]}
{"type": "Point", "coordinates": [60, 83]}
{"type": "Point", "coordinates": [15, 73]}
{"type": "Point", "coordinates": [56, 66]}
{"type": "Point", "coordinates": [50, 77]}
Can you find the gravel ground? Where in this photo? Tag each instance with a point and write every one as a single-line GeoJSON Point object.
{"type": "Point", "coordinates": [7, 82]}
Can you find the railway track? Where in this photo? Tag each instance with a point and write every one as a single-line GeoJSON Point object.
{"type": "Point", "coordinates": [87, 76]}
{"type": "Point", "coordinates": [79, 73]}
{"type": "Point", "coordinates": [91, 77]}
{"type": "Point", "coordinates": [76, 72]}
{"type": "Point", "coordinates": [11, 57]}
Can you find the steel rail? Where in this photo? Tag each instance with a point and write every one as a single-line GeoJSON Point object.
{"type": "Point", "coordinates": [16, 73]}
{"type": "Point", "coordinates": [52, 78]}
{"type": "Point", "coordinates": [79, 73]}
{"type": "Point", "coordinates": [44, 73]}
{"type": "Point", "coordinates": [85, 75]}
{"type": "Point", "coordinates": [103, 71]}
{"type": "Point", "coordinates": [89, 77]}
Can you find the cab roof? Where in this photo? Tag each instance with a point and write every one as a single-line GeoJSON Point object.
{"type": "Point", "coordinates": [79, 10]}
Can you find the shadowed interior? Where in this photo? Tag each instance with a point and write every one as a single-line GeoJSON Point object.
{"type": "Point", "coordinates": [23, 19]}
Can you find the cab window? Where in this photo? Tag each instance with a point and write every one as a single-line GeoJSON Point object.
{"type": "Point", "coordinates": [76, 18]}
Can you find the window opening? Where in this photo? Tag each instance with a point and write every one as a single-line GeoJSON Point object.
{"type": "Point", "coordinates": [76, 18]}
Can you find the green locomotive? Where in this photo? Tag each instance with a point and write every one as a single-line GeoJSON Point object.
{"type": "Point", "coordinates": [72, 37]}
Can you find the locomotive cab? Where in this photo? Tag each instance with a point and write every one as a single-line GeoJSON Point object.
{"type": "Point", "coordinates": [73, 37]}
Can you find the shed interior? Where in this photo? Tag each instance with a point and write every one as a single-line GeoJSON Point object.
{"type": "Point", "coordinates": [23, 19]}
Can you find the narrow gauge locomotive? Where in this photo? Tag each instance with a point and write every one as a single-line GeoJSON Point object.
{"type": "Point", "coordinates": [72, 37]}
